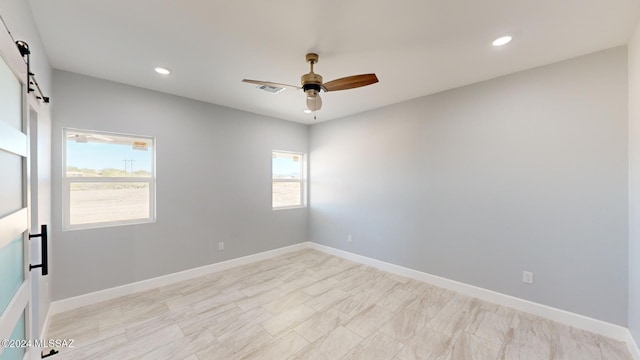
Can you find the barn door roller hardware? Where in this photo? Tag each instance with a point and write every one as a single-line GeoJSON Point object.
{"type": "Point", "coordinates": [23, 47]}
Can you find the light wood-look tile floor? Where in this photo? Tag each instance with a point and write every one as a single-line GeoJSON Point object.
{"type": "Point", "coordinates": [309, 305]}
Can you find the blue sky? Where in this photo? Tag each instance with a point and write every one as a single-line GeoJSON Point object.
{"type": "Point", "coordinates": [285, 167]}
{"type": "Point", "coordinates": [102, 156]}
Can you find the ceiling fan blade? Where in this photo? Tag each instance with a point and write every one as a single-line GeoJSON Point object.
{"type": "Point", "coordinates": [269, 83]}
{"type": "Point", "coordinates": [350, 82]}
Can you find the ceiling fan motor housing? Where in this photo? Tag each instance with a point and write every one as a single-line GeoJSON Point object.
{"type": "Point", "coordinates": [311, 81]}
{"type": "Point", "coordinates": [312, 90]}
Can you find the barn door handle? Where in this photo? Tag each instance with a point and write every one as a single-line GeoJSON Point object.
{"type": "Point", "coordinates": [45, 258]}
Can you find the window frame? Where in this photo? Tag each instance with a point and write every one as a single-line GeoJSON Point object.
{"type": "Point", "coordinates": [302, 180]}
{"type": "Point", "coordinates": [68, 180]}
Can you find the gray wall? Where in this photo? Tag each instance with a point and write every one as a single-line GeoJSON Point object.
{"type": "Point", "coordinates": [213, 184]}
{"type": "Point", "coordinates": [17, 16]}
{"type": "Point", "coordinates": [477, 184]}
{"type": "Point", "coordinates": [634, 185]}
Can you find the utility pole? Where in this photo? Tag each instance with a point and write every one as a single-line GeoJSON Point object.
{"type": "Point", "coordinates": [130, 166]}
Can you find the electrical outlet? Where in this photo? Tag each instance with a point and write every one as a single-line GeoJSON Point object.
{"type": "Point", "coordinates": [221, 246]}
{"type": "Point", "coordinates": [349, 238]}
{"type": "Point", "coordinates": [527, 277]}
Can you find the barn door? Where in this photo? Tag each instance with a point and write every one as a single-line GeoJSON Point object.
{"type": "Point", "coordinates": [15, 286]}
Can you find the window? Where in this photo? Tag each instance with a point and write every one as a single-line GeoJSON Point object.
{"type": "Point", "coordinates": [109, 179]}
{"type": "Point", "coordinates": [289, 180]}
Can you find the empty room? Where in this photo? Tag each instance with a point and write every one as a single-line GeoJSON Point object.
{"type": "Point", "coordinates": [297, 179]}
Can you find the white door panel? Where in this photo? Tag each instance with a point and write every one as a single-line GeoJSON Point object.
{"type": "Point", "coordinates": [15, 285]}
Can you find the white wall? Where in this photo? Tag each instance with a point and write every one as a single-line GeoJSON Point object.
{"type": "Point", "coordinates": [634, 185]}
{"type": "Point", "coordinates": [477, 184]}
{"type": "Point", "coordinates": [213, 184]}
{"type": "Point", "coordinates": [17, 16]}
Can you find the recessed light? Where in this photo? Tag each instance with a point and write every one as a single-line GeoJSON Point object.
{"type": "Point", "coordinates": [501, 41]}
{"type": "Point", "coordinates": [162, 71]}
{"type": "Point", "coordinates": [307, 111]}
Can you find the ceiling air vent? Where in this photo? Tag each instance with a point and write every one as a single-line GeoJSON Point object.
{"type": "Point", "coordinates": [270, 89]}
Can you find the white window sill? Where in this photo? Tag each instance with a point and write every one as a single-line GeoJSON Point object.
{"type": "Point", "coordinates": [289, 207]}
{"type": "Point", "coordinates": [107, 224]}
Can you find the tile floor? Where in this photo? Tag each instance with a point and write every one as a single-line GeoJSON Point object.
{"type": "Point", "coordinates": [309, 305]}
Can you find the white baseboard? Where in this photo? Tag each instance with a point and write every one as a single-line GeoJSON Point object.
{"type": "Point", "coordinates": [108, 294]}
{"type": "Point", "coordinates": [634, 349]}
{"type": "Point", "coordinates": [565, 317]}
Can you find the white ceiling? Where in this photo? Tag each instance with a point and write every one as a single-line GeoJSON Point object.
{"type": "Point", "coordinates": [416, 47]}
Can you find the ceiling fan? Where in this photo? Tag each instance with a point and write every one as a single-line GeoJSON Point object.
{"type": "Point", "coordinates": [312, 84]}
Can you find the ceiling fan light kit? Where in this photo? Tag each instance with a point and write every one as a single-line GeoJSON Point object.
{"type": "Point", "coordinates": [314, 103]}
{"type": "Point", "coordinates": [312, 84]}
